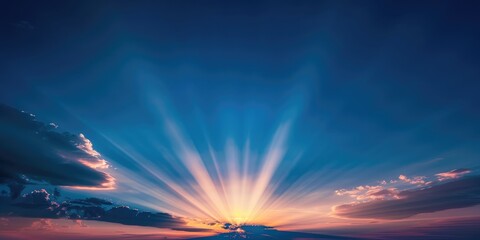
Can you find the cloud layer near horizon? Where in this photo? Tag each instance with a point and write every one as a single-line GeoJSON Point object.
{"type": "Point", "coordinates": [39, 204]}
{"type": "Point", "coordinates": [464, 192]}
{"type": "Point", "coordinates": [35, 151]}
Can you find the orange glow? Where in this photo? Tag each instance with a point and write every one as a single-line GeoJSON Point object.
{"type": "Point", "coordinates": [230, 193]}
{"type": "Point", "coordinates": [108, 185]}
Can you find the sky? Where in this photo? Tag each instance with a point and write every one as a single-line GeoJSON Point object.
{"type": "Point", "coordinates": [239, 119]}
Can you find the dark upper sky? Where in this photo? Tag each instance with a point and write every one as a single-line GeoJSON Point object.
{"type": "Point", "coordinates": [371, 89]}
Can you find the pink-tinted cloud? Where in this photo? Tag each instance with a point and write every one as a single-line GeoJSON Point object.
{"type": "Point", "coordinates": [417, 180]}
{"type": "Point", "coordinates": [390, 189]}
{"type": "Point", "coordinates": [464, 192]}
{"type": "Point", "coordinates": [42, 224]}
{"type": "Point", "coordinates": [453, 174]}
{"type": "Point", "coordinates": [93, 159]}
{"type": "Point", "coordinates": [367, 193]}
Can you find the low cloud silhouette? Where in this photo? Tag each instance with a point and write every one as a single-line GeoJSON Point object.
{"type": "Point", "coordinates": [91, 201]}
{"type": "Point", "coordinates": [34, 151]}
{"type": "Point", "coordinates": [39, 204]}
{"type": "Point", "coordinates": [460, 193]}
{"type": "Point", "coordinates": [36, 204]}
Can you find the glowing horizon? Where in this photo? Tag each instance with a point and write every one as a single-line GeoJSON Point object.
{"type": "Point", "coordinates": [232, 190]}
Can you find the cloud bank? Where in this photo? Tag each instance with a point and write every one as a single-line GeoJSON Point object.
{"type": "Point", "coordinates": [39, 204]}
{"type": "Point", "coordinates": [34, 151]}
{"type": "Point", "coordinates": [464, 192]}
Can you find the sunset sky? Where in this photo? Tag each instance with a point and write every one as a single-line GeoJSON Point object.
{"type": "Point", "coordinates": [239, 119]}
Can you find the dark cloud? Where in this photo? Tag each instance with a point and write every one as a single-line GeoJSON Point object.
{"type": "Point", "coordinates": [16, 189]}
{"type": "Point", "coordinates": [38, 204]}
{"type": "Point", "coordinates": [229, 226]}
{"type": "Point", "coordinates": [34, 204]}
{"type": "Point", "coordinates": [456, 194]}
{"type": "Point", "coordinates": [34, 151]}
{"type": "Point", "coordinates": [35, 199]}
{"type": "Point", "coordinates": [92, 201]}
{"type": "Point", "coordinates": [185, 229]}
{"type": "Point", "coordinates": [126, 215]}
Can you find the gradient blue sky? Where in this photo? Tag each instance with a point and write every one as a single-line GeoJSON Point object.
{"type": "Point", "coordinates": [371, 89]}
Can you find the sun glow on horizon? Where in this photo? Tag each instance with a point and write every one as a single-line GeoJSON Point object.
{"type": "Point", "coordinates": [234, 185]}
{"type": "Point", "coordinates": [230, 193]}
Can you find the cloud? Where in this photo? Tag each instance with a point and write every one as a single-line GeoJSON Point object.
{"type": "Point", "coordinates": [386, 190]}
{"type": "Point", "coordinates": [366, 193]}
{"type": "Point", "coordinates": [38, 204]}
{"type": "Point", "coordinates": [190, 229]}
{"type": "Point", "coordinates": [418, 180]}
{"type": "Point", "coordinates": [126, 215]}
{"type": "Point", "coordinates": [80, 223]}
{"type": "Point", "coordinates": [453, 174]}
{"type": "Point", "coordinates": [35, 151]}
{"type": "Point", "coordinates": [42, 225]}
{"type": "Point", "coordinates": [460, 193]}
{"type": "Point", "coordinates": [36, 199]}
{"type": "Point", "coordinates": [91, 201]}
{"type": "Point", "coordinates": [389, 193]}
{"type": "Point", "coordinates": [35, 204]}
{"type": "Point", "coordinates": [15, 189]}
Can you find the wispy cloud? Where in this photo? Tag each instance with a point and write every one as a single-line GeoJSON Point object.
{"type": "Point", "coordinates": [453, 174]}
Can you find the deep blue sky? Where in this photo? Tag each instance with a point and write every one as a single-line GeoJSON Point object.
{"type": "Point", "coordinates": [375, 88]}
{"type": "Point", "coordinates": [367, 70]}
